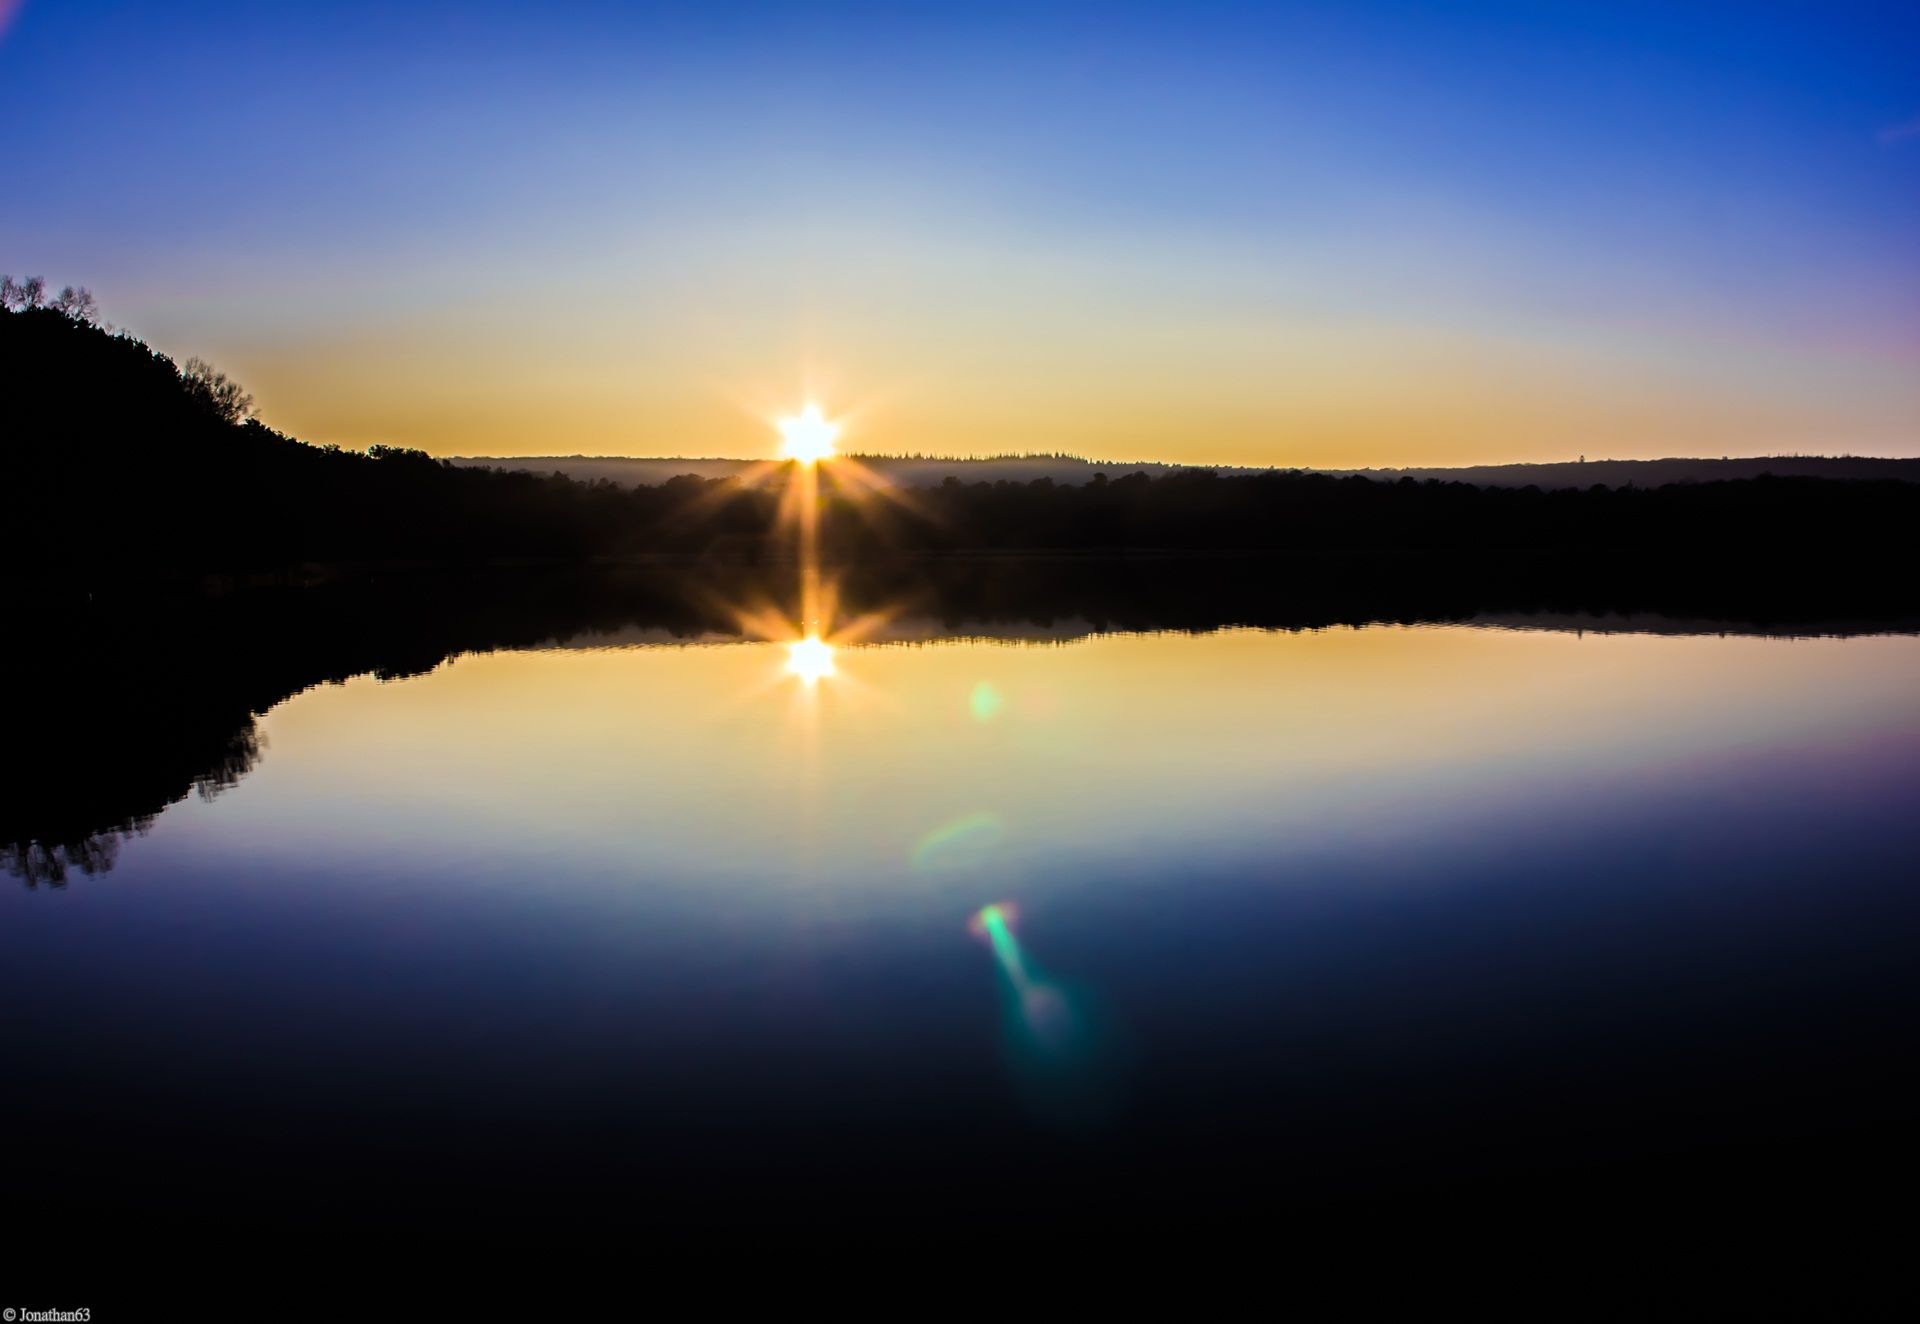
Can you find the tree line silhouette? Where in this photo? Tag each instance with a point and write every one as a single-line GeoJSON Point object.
{"type": "Point", "coordinates": [118, 463]}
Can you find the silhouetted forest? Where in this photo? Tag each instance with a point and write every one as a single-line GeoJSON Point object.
{"type": "Point", "coordinates": [119, 463]}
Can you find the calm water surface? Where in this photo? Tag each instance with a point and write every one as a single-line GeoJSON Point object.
{"type": "Point", "coordinates": [1135, 926]}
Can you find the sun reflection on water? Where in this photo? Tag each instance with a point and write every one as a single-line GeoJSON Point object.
{"type": "Point", "coordinates": [811, 627]}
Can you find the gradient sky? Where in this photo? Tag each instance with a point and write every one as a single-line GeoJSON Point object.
{"type": "Point", "coordinates": [1333, 234]}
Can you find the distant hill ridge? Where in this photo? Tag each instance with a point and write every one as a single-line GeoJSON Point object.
{"type": "Point", "coordinates": [925, 471]}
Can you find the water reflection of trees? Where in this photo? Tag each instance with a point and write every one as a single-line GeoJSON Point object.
{"type": "Point", "coordinates": [120, 710]}
{"type": "Point", "coordinates": [111, 748]}
{"type": "Point", "coordinates": [79, 847]}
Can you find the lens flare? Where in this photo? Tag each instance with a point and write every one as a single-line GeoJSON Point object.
{"type": "Point", "coordinates": [966, 846]}
{"type": "Point", "coordinates": [808, 436]}
{"type": "Point", "coordinates": [984, 702]}
{"type": "Point", "coordinates": [995, 924]}
{"type": "Point", "coordinates": [810, 659]}
{"type": "Point", "coordinates": [1059, 1056]}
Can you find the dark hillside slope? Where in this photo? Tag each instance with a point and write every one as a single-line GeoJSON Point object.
{"type": "Point", "coordinates": [111, 460]}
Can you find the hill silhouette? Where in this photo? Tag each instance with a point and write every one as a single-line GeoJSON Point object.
{"type": "Point", "coordinates": [118, 463]}
{"type": "Point", "coordinates": [117, 459]}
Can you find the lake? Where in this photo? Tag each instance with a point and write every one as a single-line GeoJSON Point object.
{"type": "Point", "coordinates": [962, 924]}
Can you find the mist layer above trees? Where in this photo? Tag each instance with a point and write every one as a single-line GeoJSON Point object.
{"type": "Point", "coordinates": [116, 461]}
{"type": "Point", "coordinates": [931, 471]}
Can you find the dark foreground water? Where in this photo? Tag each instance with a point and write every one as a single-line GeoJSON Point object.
{"type": "Point", "coordinates": [1465, 933]}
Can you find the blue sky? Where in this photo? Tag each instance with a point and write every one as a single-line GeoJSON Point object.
{"type": "Point", "coordinates": [1329, 234]}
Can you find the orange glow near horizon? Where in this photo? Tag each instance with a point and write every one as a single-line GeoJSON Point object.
{"type": "Point", "coordinates": [1352, 397]}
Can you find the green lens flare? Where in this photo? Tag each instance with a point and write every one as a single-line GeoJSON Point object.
{"type": "Point", "coordinates": [1053, 1044]}
{"type": "Point", "coordinates": [984, 702]}
{"type": "Point", "coordinates": [1006, 948]}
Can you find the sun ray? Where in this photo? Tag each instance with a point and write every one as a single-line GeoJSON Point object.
{"type": "Point", "coordinates": [851, 473]}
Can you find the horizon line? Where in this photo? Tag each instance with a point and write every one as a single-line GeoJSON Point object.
{"type": "Point", "coordinates": [1065, 457]}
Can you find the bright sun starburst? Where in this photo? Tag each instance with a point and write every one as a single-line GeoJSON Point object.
{"type": "Point", "coordinates": [810, 658]}
{"type": "Point", "coordinates": [808, 436]}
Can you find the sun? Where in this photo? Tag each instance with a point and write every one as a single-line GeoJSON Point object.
{"type": "Point", "coordinates": [810, 659]}
{"type": "Point", "coordinates": [808, 436]}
